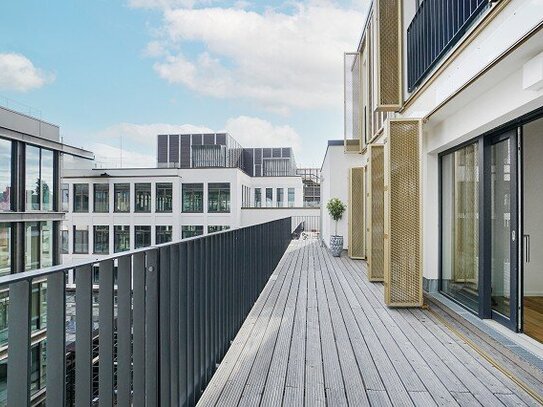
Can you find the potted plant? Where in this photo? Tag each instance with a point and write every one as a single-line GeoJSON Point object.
{"type": "Point", "coordinates": [335, 209]}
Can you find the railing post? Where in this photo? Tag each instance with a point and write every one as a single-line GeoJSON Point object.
{"type": "Point", "coordinates": [56, 340]}
{"type": "Point", "coordinates": [18, 390]}
{"type": "Point", "coordinates": [183, 325]}
{"type": "Point", "coordinates": [124, 331]}
{"type": "Point", "coordinates": [138, 273]}
{"type": "Point", "coordinates": [83, 334]}
{"type": "Point", "coordinates": [152, 379]}
{"type": "Point", "coordinates": [105, 350]}
{"type": "Point", "coordinates": [164, 326]}
{"type": "Point", "coordinates": [174, 323]}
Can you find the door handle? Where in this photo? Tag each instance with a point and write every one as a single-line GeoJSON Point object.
{"type": "Point", "coordinates": [527, 248]}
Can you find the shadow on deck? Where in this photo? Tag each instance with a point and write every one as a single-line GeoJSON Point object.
{"type": "Point", "coordinates": [320, 334]}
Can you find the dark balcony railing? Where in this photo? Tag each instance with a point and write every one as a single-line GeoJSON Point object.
{"type": "Point", "coordinates": [436, 27]}
{"type": "Point", "coordinates": [165, 320]}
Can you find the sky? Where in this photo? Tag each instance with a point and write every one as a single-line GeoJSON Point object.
{"type": "Point", "coordinates": [117, 73]}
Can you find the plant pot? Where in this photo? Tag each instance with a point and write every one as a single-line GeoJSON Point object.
{"type": "Point", "coordinates": [336, 245]}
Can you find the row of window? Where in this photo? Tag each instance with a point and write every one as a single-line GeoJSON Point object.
{"type": "Point", "coordinates": [121, 237]}
{"type": "Point", "coordinates": [279, 197]}
{"type": "Point", "coordinates": [218, 197]}
{"type": "Point", "coordinates": [38, 177]}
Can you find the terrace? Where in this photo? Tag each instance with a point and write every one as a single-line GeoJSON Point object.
{"type": "Point", "coordinates": [244, 317]}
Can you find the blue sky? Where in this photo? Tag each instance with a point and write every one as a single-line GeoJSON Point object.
{"type": "Point", "coordinates": [269, 72]}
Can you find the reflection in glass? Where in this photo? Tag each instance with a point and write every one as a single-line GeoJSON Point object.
{"type": "Point", "coordinates": [5, 248]}
{"type": "Point", "coordinates": [121, 237]}
{"type": "Point", "coordinates": [218, 197]}
{"type": "Point", "coordinates": [164, 197]}
{"type": "Point", "coordinates": [193, 198]}
{"type": "Point", "coordinates": [32, 245]}
{"type": "Point", "coordinates": [258, 197]}
{"type": "Point", "coordinates": [46, 244]}
{"type": "Point", "coordinates": [500, 227]}
{"type": "Point", "coordinates": [269, 197]}
{"type": "Point", "coordinates": [460, 225]}
{"type": "Point", "coordinates": [280, 193]}
{"type": "Point", "coordinates": [101, 198]}
{"type": "Point", "coordinates": [81, 241]}
{"type": "Point", "coordinates": [142, 236]}
{"type": "Point", "coordinates": [163, 234]}
{"type": "Point", "coordinates": [101, 239]}
{"type": "Point", "coordinates": [143, 197]}
{"type": "Point", "coordinates": [47, 180]}
{"type": "Point", "coordinates": [5, 175]}
{"type": "Point", "coordinates": [291, 195]}
{"type": "Point", "coordinates": [191, 231]}
{"type": "Point", "coordinates": [81, 197]}
{"type": "Point", "coordinates": [121, 194]}
{"type": "Point", "coordinates": [32, 178]}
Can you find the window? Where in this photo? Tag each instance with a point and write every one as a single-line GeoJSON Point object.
{"type": "Point", "coordinates": [101, 198]}
{"type": "Point", "coordinates": [258, 197]}
{"type": "Point", "coordinates": [280, 192]}
{"type": "Point", "coordinates": [81, 241]}
{"type": "Point", "coordinates": [65, 196]}
{"type": "Point", "coordinates": [39, 179]}
{"type": "Point", "coordinates": [193, 198]}
{"type": "Point", "coordinates": [121, 237]}
{"type": "Point", "coordinates": [47, 180]}
{"type": "Point", "coordinates": [218, 197]}
{"type": "Point", "coordinates": [101, 240]}
{"type": "Point", "coordinates": [460, 225]}
{"type": "Point", "coordinates": [5, 175]}
{"type": "Point", "coordinates": [32, 178]}
{"type": "Point", "coordinates": [291, 197]}
{"type": "Point", "coordinates": [163, 234]}
{"type": "Point", "coordinates": [191, 231]}
{"type": "Point", "coordinates": [5, 248]}
{"type": "Point", "coordinates": [142, 200]}
{"type": "Point", "coordinates": [38, 245]}
{"type": "Point", "coordinates": [121, 194]}
{"type": "Point", "coordinates": [269, 197]}
{"type": "Point", "coordinates": [164, 197]}
{"type": "Point", "coordinates": [213, 229]}
{"type": "Point", "coordinates": [64, 241]}
{"type": "Point", "coordinates": [81, 197]}
{"type": "Point", "coordinates": [142, 236]}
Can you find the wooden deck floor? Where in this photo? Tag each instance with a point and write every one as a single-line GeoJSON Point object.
{"type": "Point", "coordinates": [319, 334]}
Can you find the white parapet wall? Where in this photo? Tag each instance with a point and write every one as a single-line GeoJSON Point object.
{"type": "Point", "coordinates": [311, 216]}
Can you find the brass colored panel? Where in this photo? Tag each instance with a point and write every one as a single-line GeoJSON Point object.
{"type": "Point", "coordinates": [356, 213]}
{"type": "Point", "coordinates": [403, 217]}
{"type": "Point", "coordinates": [375, 215]}
{"type": "Point", "coordinates": [352, 102]}
{"type": "Point", "coordinates": [389, 55]}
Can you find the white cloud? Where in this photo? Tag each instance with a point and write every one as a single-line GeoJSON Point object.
{"type": "Point", "coordinates": [255, 132]}
{"type": "Point", "coordinates": [282, 60]}
{"type": "Point", "coordinates": [18, 73]}
{"type": "Point", "coordinates": [166, 4]}
{"type": "Point", "coordinates": [108, 156]}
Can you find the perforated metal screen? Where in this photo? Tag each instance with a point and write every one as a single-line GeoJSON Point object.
{"type": "Point", "coordinates": [356, 213]}
{"type": "Point", "coordinates": [352, 102]}
{"type": "Point", "coordinates": [403, 270]}
{"type": "Point", "coordinates": [376, 222]}
{"type": "Point", "coordinates": [389, 55]}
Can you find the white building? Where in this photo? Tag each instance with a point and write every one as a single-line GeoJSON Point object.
{"type": "Point", "coordinates": [451, 95]}
{"type": "Point", "coordinates": [113, 210]}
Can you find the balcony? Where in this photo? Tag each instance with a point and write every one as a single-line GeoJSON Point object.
{"type": "Point", "coordinates": [289, 324]}
{"type": "Point", "coordinates": [437, 26]}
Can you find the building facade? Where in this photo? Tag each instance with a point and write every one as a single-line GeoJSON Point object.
{"type": "Point", "coordinates": [114, 210]}
{"type": "Point", "coordinates": [452, 98]}
{"type": "Point", "coordinates": [30, 218]}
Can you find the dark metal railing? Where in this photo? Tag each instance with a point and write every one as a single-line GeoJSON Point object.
{"type": "Point", "coordinates": [178, 307]}
{"type": "Point", "coordinates": [436, 27]}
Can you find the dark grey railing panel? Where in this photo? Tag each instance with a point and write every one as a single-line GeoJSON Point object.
{"type": "Point", "coordinates": [18, 391]}
{"type": "Point", "coordinates": [56, 340]}
{"type": "Point", "coordinates": [83, 343]}
{"type": "Point", "coordinates": [124, 328]}
{"type": "Point", "coordinates": [138, 273]}
{"type": "Point", "coordinates": [178, 307]}
{"type": "Point", "coordinates": [105, 301]}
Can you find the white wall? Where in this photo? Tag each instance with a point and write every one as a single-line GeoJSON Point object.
{"type": "Point", "coordinates": [253, 216]}
{"type": "Point", "coordinates": [334, 184]}
{"type": "Point", "coordinates": [533, 196]}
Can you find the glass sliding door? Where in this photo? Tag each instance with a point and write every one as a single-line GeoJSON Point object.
{"type": "Point", "coordinates": [460, 225]}
{"type": "Point", "coordinates": [503, 228]}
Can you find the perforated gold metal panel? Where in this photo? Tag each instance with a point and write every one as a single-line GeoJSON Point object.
{"type": "Point", "coordinates": [352, 102]}
{"type": "Point", "coordinates": [375, 212]}
{"type": "Point", "coordinates": [356, 213]}
{"type": "Point", "coordinates": [389, 56]}
{"type": "Point", "coordinates": [403, 267]}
